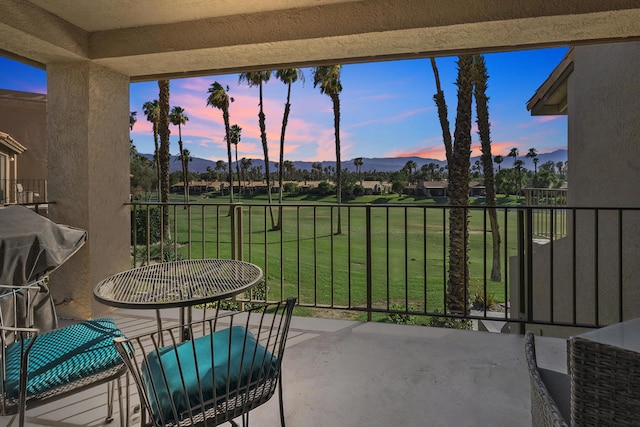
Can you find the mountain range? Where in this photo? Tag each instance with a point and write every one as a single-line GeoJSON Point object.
{"type": "Point", "coordinates": [380, 164]}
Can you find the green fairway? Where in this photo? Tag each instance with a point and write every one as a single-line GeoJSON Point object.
{"type": "Point", "coordinates": [406, 248]}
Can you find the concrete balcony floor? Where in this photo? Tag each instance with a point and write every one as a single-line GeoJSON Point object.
{"type": "Point", "coordinates": [347, 373]}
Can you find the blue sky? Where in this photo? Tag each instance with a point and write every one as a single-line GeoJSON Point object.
{"type": "Point", "coordinates": [387, 110]}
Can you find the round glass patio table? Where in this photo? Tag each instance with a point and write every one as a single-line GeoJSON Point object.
{"type": "Point", "coordinates": [177, 284]}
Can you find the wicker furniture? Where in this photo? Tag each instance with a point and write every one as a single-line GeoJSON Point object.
{"type": "Point", "coordinates": [604, 365]}
{"type": "Point", "coordinates": [231, 365]}
{"type": "Point", "coordinates": [544, 409]}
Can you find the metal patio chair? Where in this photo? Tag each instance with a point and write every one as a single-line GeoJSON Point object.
{"type": "Point", "coordinates": [231, 365]}
{"type": "Point", "coordinates": [38, 368]}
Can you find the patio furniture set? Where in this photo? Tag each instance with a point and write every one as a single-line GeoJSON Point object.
{"type": "Point", "coordinates": [203, 372]}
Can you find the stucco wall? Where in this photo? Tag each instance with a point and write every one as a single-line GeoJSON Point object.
{"type": "Point", "coordinates": [23, 115]}
{"type": "Point", "coordinates": [600, 257]}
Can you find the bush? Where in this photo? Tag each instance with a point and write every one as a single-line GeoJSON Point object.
{"type": "Point", "coordinates": [449, 322]}
{"type": "Point", "coordinates": [141, 226]}
{"type": "Point", "coordinates": [479, 302]}
{"type": "Point", "coordinates": [401, 318]}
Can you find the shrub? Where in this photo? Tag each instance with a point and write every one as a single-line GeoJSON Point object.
{"type": "Point", "coordinates": [401, 318]}
{"type": "Point", "coordinates": [449, 322]}
{"type": "Point", "coordinates": [141, 226]}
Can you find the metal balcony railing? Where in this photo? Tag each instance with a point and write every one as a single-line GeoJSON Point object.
{"type": "Point", "coordinates": [394, 259]}
{"type": "Point", "coordinates": [23, 191]}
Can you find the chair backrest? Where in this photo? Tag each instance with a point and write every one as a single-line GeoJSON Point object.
{"type": "Point", "coordinates": [544, 410]}
{"type": "Point", "coordinates": [230, 365]}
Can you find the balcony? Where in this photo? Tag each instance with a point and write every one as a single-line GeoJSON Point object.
{"type": "Point", "coordinates": [340, 372]}
{"type": "Point", "coordinates": [390, 262]}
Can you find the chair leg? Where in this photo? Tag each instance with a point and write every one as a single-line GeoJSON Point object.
{"type": "Point", "coordinates": [281, 400]}
{"type": "Point", "coordinates": [110, 393]}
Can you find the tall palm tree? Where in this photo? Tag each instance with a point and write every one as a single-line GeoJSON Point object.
{"type": "Point", "coordinates": [163, 154]}
{"type": "Point", "coordinates": [219, 98]}
{"type": "Point", "coordinates": [358, 162]}
{"type": "Point", "coordinates": [257, 79]}
{"type": "Point", "coordinates": [152, 112]}
{"type": "Point", "coordinates": [234, 134]}
{"type": "Point", "coordinates": [288, 77]}
{"type": "Point", "coordinates": [533, 155]}
{"type": "Point", "coordinates": [328, 77]}
{"type": "Point", "coordinates": [458, 161]}
{"type": "Point", "coordinates": [219, 168]}
{"type": "Point", "coordinates": [498, 159]}
{"type": "Point", "coordinates": [514, 153]}
{"type": "Point", "coordinates": [178, 117]}
{"type": "Point", "coordinates": [132, 119]}
{"type": "Point", "coordinates": [185, 158]}
{"type": "Point", "coordinates": [517, 165]}
{"type": "Point", "coordinates": [484, 131]}
{"type": "Point", "coordinates": [442, 113]}
{"type": "Point", "coordinates": [245, 165]}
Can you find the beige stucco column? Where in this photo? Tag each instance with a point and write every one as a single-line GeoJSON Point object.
{"type": "Point", "coordinates": [88, 173]}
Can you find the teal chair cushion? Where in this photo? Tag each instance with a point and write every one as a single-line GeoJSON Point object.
{"type": "Point", "coordinates": [219, 366]}
{"type": "Point", "coordinates": [64, 355]}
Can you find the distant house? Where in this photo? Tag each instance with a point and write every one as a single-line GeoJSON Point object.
{"type": "Point", "coordinates": [10, 150]}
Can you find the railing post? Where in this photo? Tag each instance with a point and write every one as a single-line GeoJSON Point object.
{"type": "Point", "coordinates": [368, 262]}
{"type": "Point", "coordinates": [236, 232]}
{"type": "Point", "coordinates": [521, 267]}
{"type": "Point", "coordinates": [525, 261]}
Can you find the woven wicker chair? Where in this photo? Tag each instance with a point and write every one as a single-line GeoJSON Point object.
{"type": "Point", "coordinates": [544, 409]}
{"type": "Point", "coordinates": [605, 384]}
{"type": "Point", "coordinates": [38, 368]}
{"type": "Point", "coordinates": [231, 365]}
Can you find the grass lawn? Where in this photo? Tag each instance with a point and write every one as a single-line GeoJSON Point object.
{"type": "Point", "coordinates": [407, 247]}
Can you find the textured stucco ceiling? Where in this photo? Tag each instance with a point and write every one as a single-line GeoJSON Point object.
{"type": "Point", "coordinates": [147, 39]}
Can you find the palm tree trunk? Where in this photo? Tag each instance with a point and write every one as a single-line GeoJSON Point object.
{"type": "Point", "coordinates": [225, 116]}
{"type": "Point", "coordinates": [164, 157]}
{"type": "Point", "coordinates": [457, 289]}
{"type": "Point", "coordinates": [265, 149]}
{"type": "Point", "coordinates": [442, 113]}
{"type": "Point", "coordinates": [482, 112]}
{"type": "Point", "coordinates": [285, 119]}
{"type": "Point", "coordinates": [238, 172]}
{"type": "Point", "coordinates": [336, 125]}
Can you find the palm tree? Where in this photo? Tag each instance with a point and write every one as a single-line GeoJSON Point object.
{"type": "Point", "coordinates": [178, 117]}
{"type": "Point", "coordinates": [163, 154]}
{"type": "Point", "coordinates": [484, 131]}
{"type": "Point", "coordinates": [185, 158]}
{"type": "Point", "coordinates": [442, 114]}
{"type": "Point", "coordinates": [132, 119]}
{"type": "Point", "coordinates": [517, 165]}
{"type": "Point", "coordinates": [219, 98]}
{"type": "Point", "coordinates": [533, 155]}
{"type": "Point", "coordinates": [514, 153]}
{"type": "Point", "coordinates": [358, 162]}
{"type": "Point", "coordinates": [458, 160]}
{"type": "Point", "coordinates": [234, 134]}
{"type": "Point", "coordinates": [220, 167]}
{"type": "Point", "coordinates": [245, 165]}
{"type": "Point", "coordinates": [288, 77]}
{"type": "Point", "coordinates": [498, 159]}
{"type": "Point", "coordinates": [257, 79]}
{"type": "Point", "coordinates": [152, 112]}
{"type": "Point", "coordinates": [328, 77]}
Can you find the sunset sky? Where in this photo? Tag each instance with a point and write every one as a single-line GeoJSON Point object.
{"type": "Point", "coordinates": [387, 110]}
